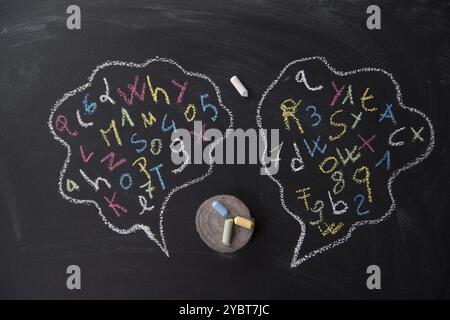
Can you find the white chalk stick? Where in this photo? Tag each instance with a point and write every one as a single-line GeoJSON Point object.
{"type": "Point", "coordinates": [239, 86]}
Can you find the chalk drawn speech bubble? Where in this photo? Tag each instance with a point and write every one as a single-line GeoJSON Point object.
{"type": "Point", "coordinates": [345, 137]}
{"type": "Point", "coordinates": [117, 130]}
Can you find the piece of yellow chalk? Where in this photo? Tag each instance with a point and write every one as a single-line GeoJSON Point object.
{"type": "Point", "coordinates": [227, 231]}
{"type": "Point", "coordinates": [244, 222]}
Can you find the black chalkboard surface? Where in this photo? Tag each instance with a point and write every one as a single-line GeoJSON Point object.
{"type": "Point", "coordinates": [130, 61]}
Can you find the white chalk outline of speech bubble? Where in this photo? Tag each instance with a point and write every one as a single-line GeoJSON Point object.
{"type": "Point", "coordinates": [135, 227]}
{"type": "Point", "coordinates": [295, 262]}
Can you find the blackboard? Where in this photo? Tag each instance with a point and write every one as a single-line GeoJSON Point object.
{"type": "Point", "coordinates": [41, 233]}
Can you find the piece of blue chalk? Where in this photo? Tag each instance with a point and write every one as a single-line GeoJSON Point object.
{"type": "Point", "coordinates": [220, 208]}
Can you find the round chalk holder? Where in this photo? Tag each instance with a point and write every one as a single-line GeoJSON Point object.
{"type": "Point", "coordinates": [210, 223]}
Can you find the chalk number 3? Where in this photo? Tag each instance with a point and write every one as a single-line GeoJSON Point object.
{"type": "Point", "coordinates": [314, 115]}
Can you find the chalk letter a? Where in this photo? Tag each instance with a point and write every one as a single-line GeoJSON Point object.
{"type": "Point", "coordinates": [374, 20]}
{"type": "Point", "coordinates": [374, 280]}
{"type": "Point", "coordinates": [73, 21]}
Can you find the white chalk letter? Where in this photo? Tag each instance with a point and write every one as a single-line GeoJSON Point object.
{"type": "Point", "coordinates": [239, 86]}
{"type": "Point", "coordinates": [301, 78]}
{"type": "Point", "coordinates": [374, 280]}
{"type": "Point", "coordinates": [73, 21]}
{"type": "Point", "coordinates": [74, 280]}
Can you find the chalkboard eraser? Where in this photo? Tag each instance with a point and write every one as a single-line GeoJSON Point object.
{"type": "Point", "coordinates": [219, 208]}
{"type": "Point", "coordinates": [244, 222]}
{"type": "Point", "coordinates": [227, 231]}
{"type": "Point", "coordinates": [239, 86]}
